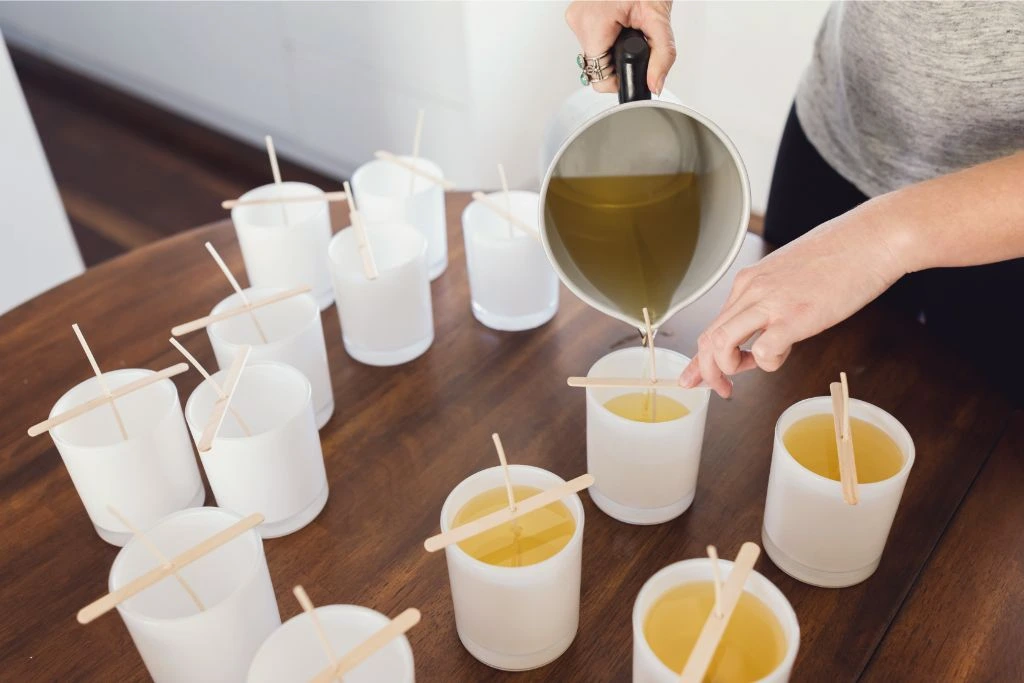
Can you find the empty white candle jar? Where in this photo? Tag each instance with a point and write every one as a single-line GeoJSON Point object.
{"type": "Point", "coordinates": [295, 335]}
{"type": "Point", "coordinates": [278, 469]}
{"type": "Point", "coordinates": [294, 654]}
{"type": "Point", "coordinates": [176, 640]}
{"type": "Point", "coordinates": [388, 320]}
{"type": "Point", "coordinates": [146, 477]}
{"type": "Point", "coordinates": [283, 244]}
{"type": "Point", "coordinates": [515, 618]}
{"type": "Point", "coordinates": [511, 282]}
{"type": "Point", "coordinates": [645, 472]}
{"type": "Point", "coordinates": [648, 668]}
{"type": "Point", "coordinates": [389, 193]}
{"type": "Point", "coordinates": [809, 531]}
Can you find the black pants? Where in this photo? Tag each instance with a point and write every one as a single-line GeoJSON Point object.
{"type": "Point", "coordinates": [975, 310]}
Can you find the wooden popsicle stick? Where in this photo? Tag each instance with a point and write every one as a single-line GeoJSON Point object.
{"type": "Point", "coordinates": [847, 430]}
{"type": "Point", "coordinates": [508, 197]}
{"type": "Point", "coordinates": [416, 148]}
{"type": "Point", "coordinates": [482, 524]}
{"type": "Point", "coordinates": [275, 170]}
{"type": "Point", "coordinates": [360, 653]}
{"type": "Point", "coordinates": [622, 383]}
{"type": "Point", "coordinates": [231, 378]}
{"type": "Point", "coordinates": [200, 323]}
{"type": "Point", "coordinates": [717, 574]}
{"type": "Point", "coordinates": [111, 600]}
{"type": "Point", "coordinates": [216, 387]}
{"type": "Point", "coordinates": [321, 634]}
{"type": "Point", "coordinates": [325, 197]}
{"type": "Point", "coordinates": [711, 634]}
{"type": "Point", "coordinates": [851, 459]}
{"type": "Point", "coordinates": [504, 471]}
{"type": "Point", "coordinates": [836, 391]}
{"type": "Point", "coordinates": [365, 250]}
{"type": "Point", "coordinates": [92, 404]}
{"type": "Point", "coordinates": [522, 225]}
{"type": "Point", "coordinates": [238, 289]}
{"type": "Point", "coordinates": [160, 557]}
{"type": "Point", "coordinates": [844, 444]}
{"type": "Point", "coordinates": [102, 380]}
{"type": "Point", "coordinates": [388, 156]}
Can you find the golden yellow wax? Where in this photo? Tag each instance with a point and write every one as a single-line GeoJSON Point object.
{"type": "Point", "coordinates": [752, 646]}
{"type": "Point", "coordinates": [532, 538]}
{"type": "Point", "coordinates": [812, 443]}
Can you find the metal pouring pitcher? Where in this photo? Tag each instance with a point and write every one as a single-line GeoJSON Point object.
{"type": "Point", "coordinates": [641, 137]}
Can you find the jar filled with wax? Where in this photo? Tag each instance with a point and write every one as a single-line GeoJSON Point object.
{"type": "Point", "coordinates": [515, 587]}
{"type": "Point", "coordinates": [809, 531]}
{"type": "Point", "coordinates": [644, 446]}
{"type": "Point", "coordinates": [759, 644]}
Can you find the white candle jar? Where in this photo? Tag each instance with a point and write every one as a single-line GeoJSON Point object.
{"type": "Point", "coordinates": [146, 477]}
{"type": "Point", "coordinates": [283, 244]}
{"type": "Point", "coordinates": [295, 335]}
{"type": "Point", "coordinates": [383, 194]}
{"type": "Point", "coordinates": [511, 282]}
{"type": "Point", "coordinates": [648, 668]}
{"type": "Point", "coordinates": [388, 320]}
{"type": "Point", "coordinates": [278, 470]}
{"type": "Point", "coordinates": [177, 642]}
{"type": "Point", "coordinates": [515, 618]}
{"type": "Point", "coordinates": [293, 653]}
{"type": "Point", "coordinates": [644, 472]}
{"type": "Point", "coordinates": [809, 531]}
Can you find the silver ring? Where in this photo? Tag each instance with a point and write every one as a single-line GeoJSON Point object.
{"type": "Point", "coordinates": [588, 77]}
{"type": "Point", "coordinates": [593, 71]}
{"type": "Point", "coordinates": [583, 61]}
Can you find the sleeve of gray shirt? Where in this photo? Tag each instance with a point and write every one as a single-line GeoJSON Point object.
{"type": "Point", "coordinates": [900, 92]}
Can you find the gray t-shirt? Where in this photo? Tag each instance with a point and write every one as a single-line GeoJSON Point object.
{"type": "Point", "coordinates": [899, 92]}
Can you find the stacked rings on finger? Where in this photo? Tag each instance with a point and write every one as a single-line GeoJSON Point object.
{"type": "Point", "coordinates": [594, 69]}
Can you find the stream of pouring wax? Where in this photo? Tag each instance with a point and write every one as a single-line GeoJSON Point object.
{"type": "Point", "coordinates": [633, 237]}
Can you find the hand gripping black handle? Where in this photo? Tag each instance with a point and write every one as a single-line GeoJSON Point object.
{"type": "Point", "coordinates": [631, 54]}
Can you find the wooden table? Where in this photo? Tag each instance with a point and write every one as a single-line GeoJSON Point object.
{"type": "Point", "coordinates": [945, 604]}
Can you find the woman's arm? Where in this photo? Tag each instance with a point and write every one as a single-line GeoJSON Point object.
{"type": "Point", "coordinates": [971, 217]}
{"type": "Point", "coordinates": [968, 218]}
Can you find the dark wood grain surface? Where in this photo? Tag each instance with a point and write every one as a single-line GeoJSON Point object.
{"type": "Point", "coordinates": [401, 438]}
{"type": "Point", "coordinates": [964, 621]}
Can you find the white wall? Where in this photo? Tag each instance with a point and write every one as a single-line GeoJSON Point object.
{"type": "Point", "coordinates": [739, 63]}
{"type": "Point", "coordinates": [37, 249]}
{"type": "Point", "coordinates": [335, 81]}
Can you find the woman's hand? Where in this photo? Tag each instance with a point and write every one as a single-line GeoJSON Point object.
{"type": "Point", "coordinates": [597, 25]}
{"type": "Point", "coordinates": [796, 292]}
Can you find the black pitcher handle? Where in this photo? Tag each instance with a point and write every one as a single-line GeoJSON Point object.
{"type": "Point", "coordinates": [632, 54]}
